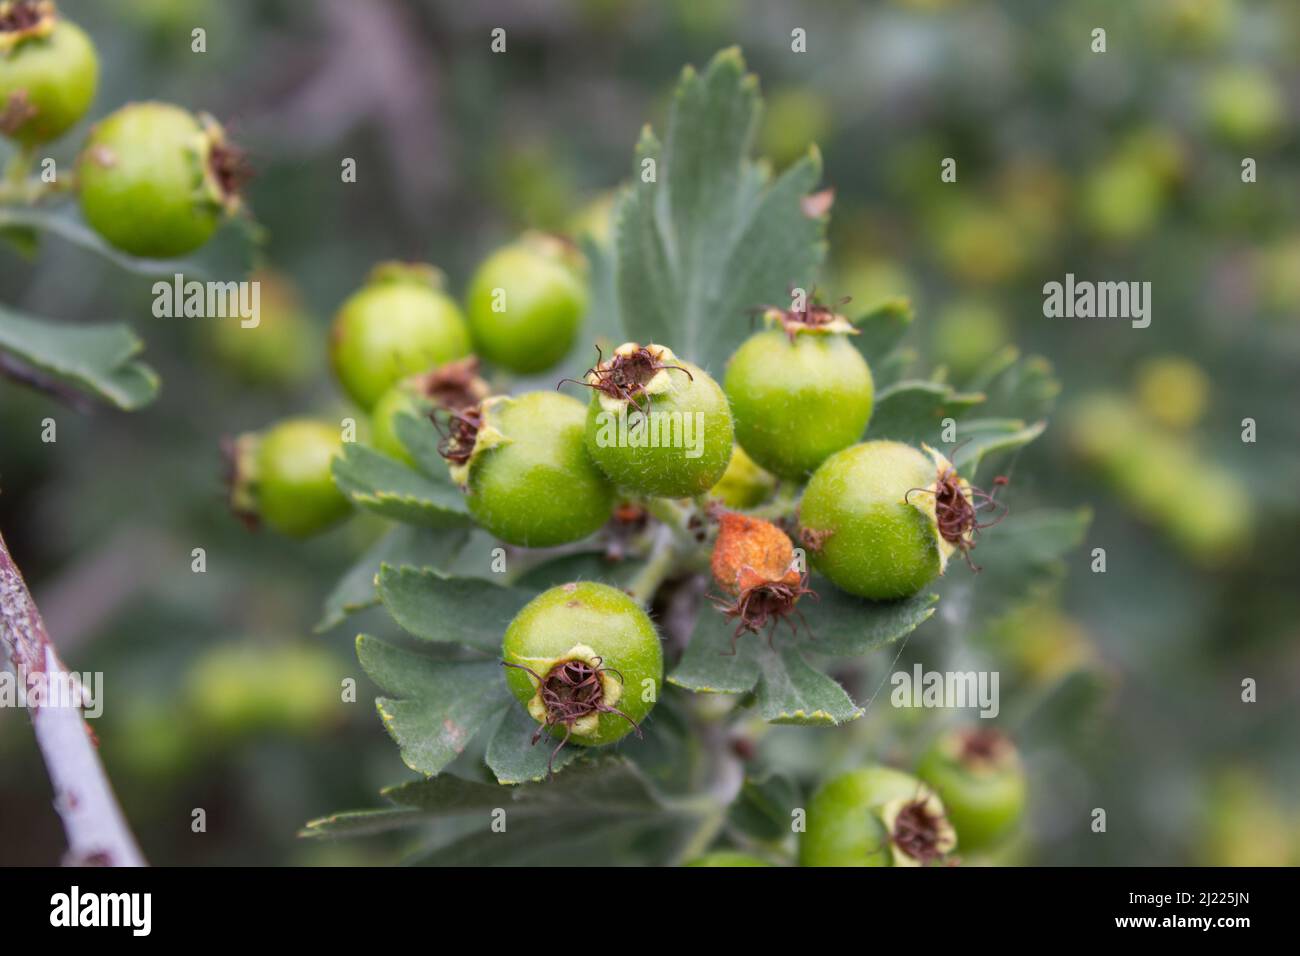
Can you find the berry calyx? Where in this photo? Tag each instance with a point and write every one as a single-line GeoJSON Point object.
{"type": "Point", "coordinates": [881, 519]}
{"type": "Point", "coordinates": [282, 477]}
{"type": "Point", "coordinates": [978, 774]}
{"type": "Point", "coordinates": [800, 391]}
{"type": "Point", "coordinates": [399, 323]}
{"type": "Point", "coordinates": [585, 661]}
{"type": "Point", "coordinates": [454, 387]}
{"type": "Point", "coordinates": [522, 463]}
{"type": "Point", "coordinates": [876, 816]}
{"type": "Point", "coordinates": [157, 181]}
{"type": "Point", "coordinates": [753, 562]}
{"type": "Point", "coordinates": [526, 302]}
{"type": "Point", "coordinates": [572, 695]}
{"type": "Point", "coordinates": [656, 424]}
{"type": "Point", "coordinates": [813, 317]}
{"type": "Point", "coordinates": [49, 71]}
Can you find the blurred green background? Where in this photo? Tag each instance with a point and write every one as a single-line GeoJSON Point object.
{"type": "Point", "coordinates": [1117, 166]}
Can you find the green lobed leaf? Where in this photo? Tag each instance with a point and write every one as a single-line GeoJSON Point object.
{"type": "Point", "coordinates": [583, 566]}
{"type": "Point", "coordinates": [434, 607]}
{"type": "Point", "coordinates": [514, 758]}
{"type": "Point", "coordinates": [881, 331]}
{"type": "Point", "coordinates": [391, 489]}
{"type": "Point", "coordinates": [421, 439]}
{"type": "Point", "coordinates": [99, 360]}
{"type": "Point", "coordinates": [440, 705]}
{"type": "Point", "coordinates": [977, 438]}
{"type": "Point", "coordinates": [227, 253]}
{"type": "Point", "coordinates": [708, 664]}
{"type": "Point", "coordinates": [791, 691]}
{"type": "Point", "coordinates": [1018, 388]}
{"type": "Point", "coordinates": [913, 411]}
{"type": "Point", "coordinates": [842, 625]}
{"type": "Point", "coordinates": [404, 544]}
{"type": "Point", "coordinates": [610, 787]}
{"type": "Point", "coordinates": [712, 236]}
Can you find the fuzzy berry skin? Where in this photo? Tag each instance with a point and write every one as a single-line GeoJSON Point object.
{"type": "Point", "coordinates": [979, 777]}
{"type": "Point", "coordinates": [400, 322]}
{"type": "Point", "coordinates": [529, 480]}
{"type": "Point", "coordinates": [147, 183]}
{"type": "Point", "coordinates": [48, 77]}
{"type": "Point", "coordinates": [798, 402]}
{"type": "Point", "coordinates": [542, 299]}
{"type": "Point", "coordinates": [587, 621]}
{"type": "Point", "coordinates": [675, 401]}
{"type": "Point", "coordinates": [866, 529]}
{"type": "Point", "coordinates": [282, 477]}
{"type": "Point", "coordinates": [851, 818]}
{"type": "Point", "coordinates": [281, 351]}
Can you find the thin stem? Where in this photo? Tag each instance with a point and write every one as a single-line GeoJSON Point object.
{"type": "Point", "coordinates": [15, 187]}
{"type": "Point", "coordinates": [783, 504]}
{"type": "Point", "coordinates": [97, 831]}
{"type": "Point", "coordinates": [675, 518]}
{"type": "Point", "coordinates": [661, 563]}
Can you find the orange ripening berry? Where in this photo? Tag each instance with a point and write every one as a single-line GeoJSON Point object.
{"type": "Point", "coordinates": [750, 551]}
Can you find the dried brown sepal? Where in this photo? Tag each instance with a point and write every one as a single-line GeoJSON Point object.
{"type": "Point", "coordinates": [921, 832]}
{"type": "Point", "coordinates": [571, 690]}
{"type": "Point", "coordinates": [230, 168]}
{"type": "Point", "coordinates": [459, 434]}
{"type": "Point", "coordinates": [957, 510]}
{"type": "Point", "coordinates": [20, 19]}
{"type": "Point", "coordinates": [455, 386]}
{"type": "Point", "coordinates": [625, 376]}
{"type": "Point", "coordinates": [813, 317]}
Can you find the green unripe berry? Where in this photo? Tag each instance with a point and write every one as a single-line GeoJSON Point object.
{"type": "Point", "coordinates": [255, 688]}
{"type": "Point", "coordinates": [590, 632]}
{"type": "Point", "coordinates": [657, 425]}
{"type": "Point", "coordinates": [727, 858]}
{"type": "Point", "coordinates": [248, 688]}
{"type": "Point", "coordinates": [869, 519]}
{"type": "Point", "coordinates": [281, 350]}
{"type": "Point", "coordinates": [400, 322]}
{"type": "Point", "coordinates": [526, 474]}
{"type": "Point", "coordinates": [455, 385]}
{"type": "Point", "coordinates": [799, 394]}
{"type": "Point", "coordinates": [526, 303]}
{"type": "Point", "coordinates": [1244, 105]}
{"type": "Point", "coordinates": [156, 180]}
{"type": "Point", "coordinates": [876, 816]}
{"type": "Point", "coordinates": [48, 72]}
{"type": "Point", "coordinates": [743, 484]}
{"type": "Point", "coordinates": [977, 774]}
{"type": "Point", "coordinates": [282, 477]}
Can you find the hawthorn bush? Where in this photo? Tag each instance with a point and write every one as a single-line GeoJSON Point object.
{"type": "Point", "coordinates": [703, 238]}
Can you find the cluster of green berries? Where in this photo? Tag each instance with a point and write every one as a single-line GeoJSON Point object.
{"type": "Point", "coordinates": [153, 179]}
{"type": "Point", "coordinates": [967, 796]}
{"type": "Point", "coordinates": [401, 345]}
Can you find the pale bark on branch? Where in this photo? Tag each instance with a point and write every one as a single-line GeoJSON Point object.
{"type": "Point", "coordinates": [96, 829]}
